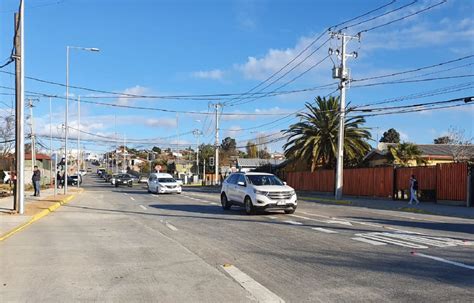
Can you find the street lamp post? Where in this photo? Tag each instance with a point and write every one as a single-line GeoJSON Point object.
{"type": "Point", "coordinates": [90, 49]}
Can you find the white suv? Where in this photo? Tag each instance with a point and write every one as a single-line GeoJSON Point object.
{"type": "Point", "coordinates": [257, 191]}
{"type": "Point", "coordinates": [162, 184]}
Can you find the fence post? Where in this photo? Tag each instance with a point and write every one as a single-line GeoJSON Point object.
{"type": "Point", "coordinates": [470, 186]}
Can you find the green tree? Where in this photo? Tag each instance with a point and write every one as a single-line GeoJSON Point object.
{"type": "Point", "coordinates": [156, 149]}
{"type": "Point", "coordinates": [314, 138]}
{"type": "Point", "coordinates": [390, 136]}
{"type": "Point", "coordinates": [229, 145]}
{"type": "Point", "coordinates": [205, 152]}
{"type": "Point", "coordinates": [404, 153]}
{"type": "Point", "coordinates": [443, 140]}
{"type": "Point", "coordinates": [251, 150]}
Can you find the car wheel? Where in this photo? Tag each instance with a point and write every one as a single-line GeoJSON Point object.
{"type": "Point", "coordinates": [148, 189]}
{"type": "Point", "coordinates": [225, 202]}
{"type": "Point", "coordinates": [290, 211]}
{"type": "Point", "coordinates": [156, 190]}
{"type": "Point", "coordinates": [249, 209]}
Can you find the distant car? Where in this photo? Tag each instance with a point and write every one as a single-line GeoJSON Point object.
{"type": "Point", "coordinates": [73, 179]}
{"type": "Point", "coordinates": [111, 178]}
{"type": "Point", "coordinates": [123, 179]}
{"type": "Point", "coordinates": [100, 171]}
{"type": "Point", "coordinates": [257, 191]}
{"type": "Point", "coordinates": [180, 181]}
{"type": "Point", "coordinates": [82, 172]}
{"type": "Point", "coordinates": [89, 169]}
{"type": "Point", "coordinates": [7, 176]}
{"type": "Point", "coordinates": [143, 179]}
{"type": "Point", "coordinates": [163, 183]}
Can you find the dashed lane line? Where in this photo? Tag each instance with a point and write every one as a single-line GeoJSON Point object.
{"type": "Point", "coordinates": [368, 241]}
{"type": "Point", "coordinates": [324, 230]}
{"type": "Point", "coordinates": [293, 222]}
{"type": "Point", "coordinates": [272, 217]}
{"type": "Point", "coordinates": [132, 198]}
{"type": "Point", "coordinates": [382, 238]}
{"type": "Point", "coordinates": [143, 207]}
{"type": "Point", "coordinates": [257, 290]}
{"type": "Point", "coordinates": [170, 226]}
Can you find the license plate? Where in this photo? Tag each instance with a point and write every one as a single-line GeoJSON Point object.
{"type": "Point", "coordinates": [281, 203]}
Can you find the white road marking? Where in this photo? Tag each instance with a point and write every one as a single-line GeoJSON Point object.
{"type": "Point", "coordinates": [257, 290]}
{"type": "Point", "coordinates": [382, 238]}
{"type": "Point", "coordinates": [293, 222]}
{"type": "Point", "coordinates": [125, 194]}
{"type": "Point", "coordinates": [369, 241]}
{"type": "Point", "coordinates": [170, 226]}
{"type": "Point", "coordinates": [324, 230]}
{"type": "Point", "coordinates": [311, 219]}
{"type": "Point", "coordinates": [370, 224]}
{"type": "Point", "coordinates": [421, 239]}
{"type": "Point", "coordinates": [443, 260]}
{"type": "Point", "coordinates": [340, 222]}
{"type": "Point", "coordinates": [132, 198]}
{"type": "Point", "coordinates": [272, 217]}
{"type": "Point", "coordinates": [213, 203]}
{"type": "Point", "coordinates": [143, 207]}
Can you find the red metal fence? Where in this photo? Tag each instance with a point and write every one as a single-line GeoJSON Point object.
{"type": "Point", "coordinates": [444, 181]}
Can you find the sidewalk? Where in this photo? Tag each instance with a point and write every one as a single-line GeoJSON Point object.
{"type": "Point", "coordinates": [35, 207]}
{"type": "Point", "coordinates": [385, 204]}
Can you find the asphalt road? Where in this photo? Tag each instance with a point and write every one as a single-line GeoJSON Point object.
{"type": "Point", "coordinates": [124, 244]}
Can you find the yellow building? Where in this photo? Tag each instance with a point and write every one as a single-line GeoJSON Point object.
{"type": "Point", "coordinates": [431, 154]}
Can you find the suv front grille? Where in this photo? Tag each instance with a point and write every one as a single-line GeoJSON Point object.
{"type": "Point", "coordinates": [283, 195]}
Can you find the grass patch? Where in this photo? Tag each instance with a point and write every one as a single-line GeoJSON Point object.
{"type": "Point", "coordinates": [324, 200]}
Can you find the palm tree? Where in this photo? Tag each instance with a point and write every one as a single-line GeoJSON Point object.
{"type": "Point", "coordinates": [314, 138]}
{"type": "Point", "coordinates": [404, 153]}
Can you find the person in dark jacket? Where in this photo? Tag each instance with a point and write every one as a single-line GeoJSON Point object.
{"type": "Point", "coordinates": [36, 178]}
{"type": "Point", "coordinates": [59, 180]}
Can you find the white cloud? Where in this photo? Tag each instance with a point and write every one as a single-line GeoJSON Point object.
{"type": "Point", "coordinates": [161, 122]}
{"type": "Point", "coordinates": [215, 74]}
{"type": "Point", "coordinates": [136, 90]}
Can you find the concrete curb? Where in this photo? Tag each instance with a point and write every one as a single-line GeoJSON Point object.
{"type": "Point", "coordinates": [38, 216]}
{"type": "Point", "coordinates": [324, 200]}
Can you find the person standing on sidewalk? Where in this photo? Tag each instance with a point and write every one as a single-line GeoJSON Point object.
{"type": "Point", "coordinates": [413, 190]}
{"type": "Point", "coordinates": [36, 178]}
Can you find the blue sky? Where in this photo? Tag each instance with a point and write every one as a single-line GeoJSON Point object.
{"type": "Point", "coordinates": [208, 47]}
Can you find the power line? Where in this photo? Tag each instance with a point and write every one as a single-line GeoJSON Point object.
{"type": "Point", "coordinates": [413, 81]}
{"type": "Point", "coordinates": [413, 70]}
{"type": "Point", "coordinates": [404, 17]}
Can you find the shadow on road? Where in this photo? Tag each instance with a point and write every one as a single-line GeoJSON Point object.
{"type": "Point", "coordinates": [451, 227]}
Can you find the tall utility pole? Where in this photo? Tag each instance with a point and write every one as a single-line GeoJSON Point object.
{"type": "Point", "coordinates": [51, 150]}
{"type": "Point", "coordinates": [19, 56]}
{"type": "Point", "coordinates": [78, 139]}
{"type": "Point", "coordinates": [217, 106]}
{"type": "Point", "coordinates": [33, 142]}
{"type": "Point", "coordinates": [342, 73]}
{"type": "Point", "coordinates": [197, 133]}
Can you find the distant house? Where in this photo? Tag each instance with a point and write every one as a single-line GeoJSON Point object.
{"type": "Point", "coordinates": [248, 164]}
{"type": "Point", "coordinates": [432, 154]}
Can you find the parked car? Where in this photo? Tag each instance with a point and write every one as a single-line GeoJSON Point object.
{"type": "Point", "coordinates": [82, 172]}
{"type": "Point", "coordinates": [163, 183]}
{"type": "Point", "coordinates": [73, 179]}
{"type": "Point", "coordinates": [123, 179]}
{"type": "Point", "coordinates": [111, 178]}
{"type": "Point", "coordinates": [257, 191]}
{"type": "Point", "coordinates": [89, 169]}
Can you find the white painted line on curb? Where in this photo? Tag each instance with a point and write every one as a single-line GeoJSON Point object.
{"type": "Point", "coordinates": [293, 222]}
{"type": "Point", "coordinates": [443, 260]}
{"type": "Point", "coordinates": [324, 230]}
{"type": "Point", "coordinates": [369, 241]}
{"type": "Point", "coordinates": [132, 198]}
{"type": "Point", "coordinates": [143, 207]}
{"type": "Point", "coordinates": [170, 226]}
{"type": "Point", "coordinates": [257, 290]}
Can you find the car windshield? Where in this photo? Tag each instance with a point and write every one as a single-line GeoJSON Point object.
{"type": "Point", "coordinates": [166, 180]}
{"type": "Point", "coordinates": [264, 180]}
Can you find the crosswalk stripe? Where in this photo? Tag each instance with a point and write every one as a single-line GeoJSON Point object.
{"type": "Point", "coordinates": [324, 230]}
{"type": "Point", "coordinates": [369, 241]}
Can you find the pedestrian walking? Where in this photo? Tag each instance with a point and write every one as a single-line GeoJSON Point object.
{"type": "Point", "coordinates": [59, 179]}
{"type": "Point", "coordinates": [36, 178]}
{"type": "Point", "coordinates": [413, 190]}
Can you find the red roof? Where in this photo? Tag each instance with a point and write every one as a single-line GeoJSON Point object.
{"type": "Point", "coordinates": [38, 157]}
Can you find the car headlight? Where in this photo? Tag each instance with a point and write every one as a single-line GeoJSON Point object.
{"type": "Point", "coordinates": [260, 192]}
{"type": "Point", "coordinates": [292, 193]}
